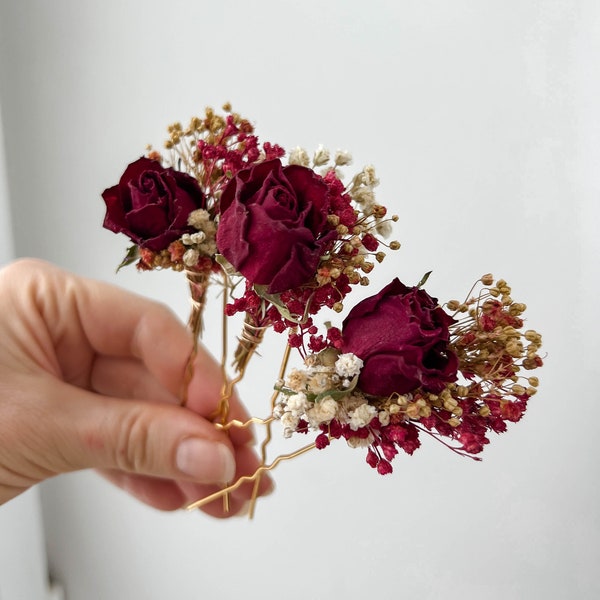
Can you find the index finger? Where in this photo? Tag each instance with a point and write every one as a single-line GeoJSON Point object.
{"type": "Point", "coordinates": [85, 317]}
{"type": "Point", "coordinates": [125, 324]}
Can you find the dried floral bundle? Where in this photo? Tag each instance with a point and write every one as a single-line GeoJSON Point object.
{"type": "Point", "coordinates": [287, 239]}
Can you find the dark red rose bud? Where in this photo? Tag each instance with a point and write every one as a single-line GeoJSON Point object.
{"type": "Point", "coordinates": [151, 204]}
{"type": "Point", "coordinates": [402, 336]}
{"type": "Point", "coordinates": [273, 226]}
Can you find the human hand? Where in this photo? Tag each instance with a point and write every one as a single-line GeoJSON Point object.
{"type": "Point", "coordinates": [91, 376]}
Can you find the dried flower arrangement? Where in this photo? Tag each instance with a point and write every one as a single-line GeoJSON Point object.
{"type": "Point", "coordinates": [286, 239]}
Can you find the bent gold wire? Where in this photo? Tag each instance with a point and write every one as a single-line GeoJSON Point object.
{"type": "Point", "coordinates": [244, 424]}
{"type": "Point", "coordinates": [268, 434]}
{"type": "Point", "coordinates": [247, 478]}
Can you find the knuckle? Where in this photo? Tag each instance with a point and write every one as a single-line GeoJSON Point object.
{"type": "Point", "coordinates": [132, 449]}
{"type": "Point", "coordinates": [24, 266]}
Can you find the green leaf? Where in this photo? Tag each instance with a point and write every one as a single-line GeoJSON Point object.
{"type": "Point", "coordinates": [133, 253]}
{"type": "Point", "coordinates": [311, 397]}
{"type": "Point", "coordinates": [226, 265]}
{"type": "Point", "coordinates": [424, 279]}
{"type": "Point", "coordinates": [338, 394]}
{"type": "Point", "coordinates": [275, 300]}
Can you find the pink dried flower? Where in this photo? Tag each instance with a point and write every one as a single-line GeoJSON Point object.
{"type": "Point", "coordinates": [322, 441]}
{"type": "Point", "coordinates": [384, 467]}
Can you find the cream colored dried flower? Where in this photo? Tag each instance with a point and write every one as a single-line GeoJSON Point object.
{"type": "Point", "coordinates": [364, 195]}
{"type": "Point", "coordinates": [296, 404]}
{"type": "Point", "coordinates": [384, 229]}
{"type": "Point", "coordinates": [342, 157]}
{"type": "Point", "coordinates": [296, 380]}
{"type": "Point", "coordinates": [190, 257]}
{"type": "Point", "coordinates": [299, 156]}
{"type": "Point", "coordinates": [348, 365]}
{"type": "Point", "coordinates": [362, 416]}
{"type": "Point", "coordinates": [198, 218]}
{"type": "Point", "coordinates": [322, 412]}
{"type": "Point", "coordinates": [357, 442]}
{"type": "Point", "coordinates": [321, 156]}
{"type": "Point", "coordinates": [368, 176]}
{"type": "Point", "coordinates": [319, 382]}
{"type": "Point", "coordinates": [384, 417]}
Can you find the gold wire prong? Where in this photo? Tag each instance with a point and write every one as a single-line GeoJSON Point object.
{"type": "Point", "coordinates": [267, 440]}
{"type": "Point", "coordinates": [246, 478]}
{"type": "Point", "coordinates": [243, 424]}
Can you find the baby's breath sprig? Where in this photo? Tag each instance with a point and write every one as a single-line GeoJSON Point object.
{"type": "Point", "coordinates": [213, 148]}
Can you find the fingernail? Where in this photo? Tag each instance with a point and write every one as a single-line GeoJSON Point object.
{"type": "Point", "coordinates": [205, 461]}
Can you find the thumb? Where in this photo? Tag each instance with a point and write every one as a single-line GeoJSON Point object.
{"type": "Point", "coordinates": [140, 437]}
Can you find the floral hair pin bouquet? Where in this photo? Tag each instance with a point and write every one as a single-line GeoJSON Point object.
{"type": "Point", "coordinates": [287, 239]}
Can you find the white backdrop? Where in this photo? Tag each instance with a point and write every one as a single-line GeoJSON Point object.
{"type": "Point", "coordinates": [481, 118]}
{"type": "Point", "coordinates": [23, 566]}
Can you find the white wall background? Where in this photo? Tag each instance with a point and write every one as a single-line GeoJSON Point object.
{"type": "Point", "coordinates": [23, 565]}
{"type": "Point", "coordinates": [482, 119]}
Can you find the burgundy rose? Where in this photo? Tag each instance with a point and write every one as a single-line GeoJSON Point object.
{"type": "Point", "coordinates": [151, 204]}
{"type": "Point", "coordinates": [273, 226]}
{"type": "Point", "coordinates": [402, 335]}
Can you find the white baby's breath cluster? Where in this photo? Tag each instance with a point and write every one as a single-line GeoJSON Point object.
{"type": "Point", "coordinates": [201, 243]}
{"type": "Point", "coordinates": [362, 191]}
{"type": "Point", "coordinates": [323, 390]}
{"type": "Point", "coordinates": [299, 156]}
{"type": "Point", "coordinates": [361, 188]}
{"type": "Point", "coordinates": [348, 365]}
{"type": "Point", "coordinates": [321, 158]}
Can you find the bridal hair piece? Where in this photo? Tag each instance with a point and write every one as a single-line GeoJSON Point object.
{"type": "Point", "coordinates": [288, 235]}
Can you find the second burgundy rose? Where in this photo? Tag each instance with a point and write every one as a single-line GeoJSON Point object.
{"type": "Point", "coordinates": [402, 336]}
{"type": "Point", "coordinates": [273, 225]}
